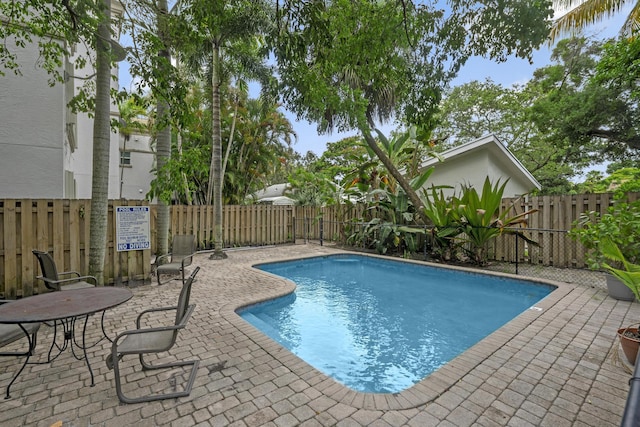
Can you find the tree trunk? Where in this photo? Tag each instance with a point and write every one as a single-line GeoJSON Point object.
{"type": "Point", "coordinates": [163, 146]}
{"type": "Point", "coordinates": [163, 154]}
{"type": "Point", "coordinates": [101, 143]}
{"type": "Point", "coordinates": [230, 142]}
{"type": "Point", "coordinates": [413, 196]}
{"type": "Point", "coordinates": [215, 179]}
{"type": "Point", "coordinates": [185, 183]}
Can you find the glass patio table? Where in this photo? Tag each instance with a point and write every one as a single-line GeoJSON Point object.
{"type": "Point", "coordinates": [62, 307]}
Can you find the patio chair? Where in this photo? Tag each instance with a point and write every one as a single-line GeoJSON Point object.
{"type": "Point", "coordinates": [10, 333]}
{"type": "Point", "coordinates": [65, 281]}
{"type": "Point", "coordinates": [155, 340]}
{"type": "Point", "coordinates": [183, 248]}
{"type": "Point", "coordinates": [57, 281]}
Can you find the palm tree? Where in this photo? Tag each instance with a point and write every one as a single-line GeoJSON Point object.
{"type": "Point", "coordinates": [163, 141]}
{"type": "Point", "coordinates": [101, 142]}
{"type": "Point", "coordinates": [586, 12]}
{"type": "Point", "coordinates": [227, 31]}
{"type": "Point", "coordinates": [154, 31]}
{"type": "Point", "coordinates": [260, 152]}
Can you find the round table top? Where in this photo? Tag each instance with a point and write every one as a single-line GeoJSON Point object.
{"type": "Point", "coordinates": [63, 304]}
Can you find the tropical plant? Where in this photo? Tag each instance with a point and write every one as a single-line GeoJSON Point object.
{"type": "Point", "coordinates": [582, 13]}
{"type": "Point", "coordinates": [153, 30]}
{"type": "Point", "coordinates": [258, 156]}
{"type": "Point", "coordinates": [394, 223]}
{"type": "Point", "coordinates": [384, 236]}
{"type": "Point", "coordinates": [620, 225]}
{"type": "Point", "coordinates": [627, 272]}
{"type": "Point", "coordinates": [481, 221]}
{"type": "Point", "coordinates": [308, 188]}
{"type": "Point", "coordinates": [101, 144]}
{"type": "Point", "coordinates": [163, 122]}
{"type": "Point", "coordinates": [391, 228]}
{"type": "Point", "coordinates": [223, 39]}
{"type": "Point", "coordinates": [445, 227]}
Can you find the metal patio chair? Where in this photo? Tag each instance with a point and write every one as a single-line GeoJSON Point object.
{"type": "Point", "coordinates": [155, 340]}
{"type": "Point", "coordinates": [183, 248]}
{"type": "Point", "coordinates": [65, 281]}
{"type": "Point", "coordinates": [10, 333]}
{"type": "Point", "coordinates": [61, 281]}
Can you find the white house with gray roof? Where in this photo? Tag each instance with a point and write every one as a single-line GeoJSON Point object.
{"type": "Point", "coordinates": [469, 164]}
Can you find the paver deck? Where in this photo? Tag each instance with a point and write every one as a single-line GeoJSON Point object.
{"type": "Point", "coordinates": [555, 365]}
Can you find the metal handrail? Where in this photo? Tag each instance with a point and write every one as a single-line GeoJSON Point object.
{"type": "Point", "coordinates": [631, 415]}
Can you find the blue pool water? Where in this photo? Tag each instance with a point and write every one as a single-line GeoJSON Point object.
{"type": "Point", "coordinates": [380, 325]}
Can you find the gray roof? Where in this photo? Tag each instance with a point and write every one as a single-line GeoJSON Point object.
{"type": "Point", "coordinates": [492, 143]}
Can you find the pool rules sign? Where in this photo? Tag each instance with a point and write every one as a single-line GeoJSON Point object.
{"type": "Point", "coordinates": [132, 228]}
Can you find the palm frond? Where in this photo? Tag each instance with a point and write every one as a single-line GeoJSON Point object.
{"type": "Point", "coordinates": [584, 14]}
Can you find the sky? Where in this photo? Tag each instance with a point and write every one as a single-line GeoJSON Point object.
{"type": "Point", "coordinates": [513, 71]}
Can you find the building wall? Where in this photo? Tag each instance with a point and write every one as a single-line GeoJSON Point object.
{"type": "Point", "coordinates": [137, 176]}
{"type": "Point", "coordinates": [31, 132]}
{"type": "Point", "coordinates": [45, 150]}
{"type": "Point", "coordinates": [472, 169]}
{"type": "Point", "coordinates": [516, 185]}
{"type": "Point", "coordinates": [79, 161]}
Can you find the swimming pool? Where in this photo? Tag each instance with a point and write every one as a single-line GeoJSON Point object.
{"type": "Point", "coordinates": [380, 326]}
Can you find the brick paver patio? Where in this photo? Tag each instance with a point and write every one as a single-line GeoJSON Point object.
{"type": "Point", "coordinates": [554, 365]}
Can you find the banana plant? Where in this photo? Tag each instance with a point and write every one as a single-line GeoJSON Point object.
{"type": "Point", "coordinates": [393, 226]}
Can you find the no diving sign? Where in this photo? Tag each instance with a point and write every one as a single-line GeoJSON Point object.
{"type": "Point", "coordinates": [132, 228]}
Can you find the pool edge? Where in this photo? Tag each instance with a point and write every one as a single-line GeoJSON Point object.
{"type": "Point", "coordinates": [425, 391]}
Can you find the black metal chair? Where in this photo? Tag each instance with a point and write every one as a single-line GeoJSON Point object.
{"type": "Point", "coordinates": [65, 281]}
{"type": "Point", "coordinates": [183, 248]}
{"type": "Point", "coordinates": [56, 281]}
{"type": "Point", "coordinates": [153, 340]}
{"type": "Point", "coordinates": [10, 333]}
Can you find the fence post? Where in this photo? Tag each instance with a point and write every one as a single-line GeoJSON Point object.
{"type": "Point", "coordinates": [517, 257]}
{"type": "Point", "coordinates": [306, 230]}
{"type": "Point", "coordinates": [294, 230]}
{"type": "Point", "coordinates": [425, 243]}
{"type": "Point", "coordinates": [321, 230]}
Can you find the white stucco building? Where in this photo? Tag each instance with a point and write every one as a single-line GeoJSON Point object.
{"type": "Point", "coordinates": [469, 164]}
{"type": "Point", "coordinates": [46, 151]}
{"type": "Point", "coordinates": [137, 161]}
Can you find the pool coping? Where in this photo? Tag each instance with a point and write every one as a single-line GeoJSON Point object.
{"type": "Point", "coordinates": [423, 392]}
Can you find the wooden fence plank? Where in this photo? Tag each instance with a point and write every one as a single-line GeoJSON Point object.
{"type": "Point", "coordinates": [42, 237]}
{"type": "Point", "coordinates": [86, 215]}
{"type": "Point", "coordinates": [27, 240]}
{"type": "Point", "coordinates": [10, 249]}
{"type": "Point", "coordinates": [58, 234]}
{"type": "Point", "coordinates": [74, 235]}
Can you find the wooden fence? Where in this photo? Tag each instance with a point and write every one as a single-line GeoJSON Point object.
{"type": "Point", "coordinates": [553, 217]}
{"type": "Point", "coordinates": [252, 225]}
{"type": "Point", "coordinates": [62, 228]}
